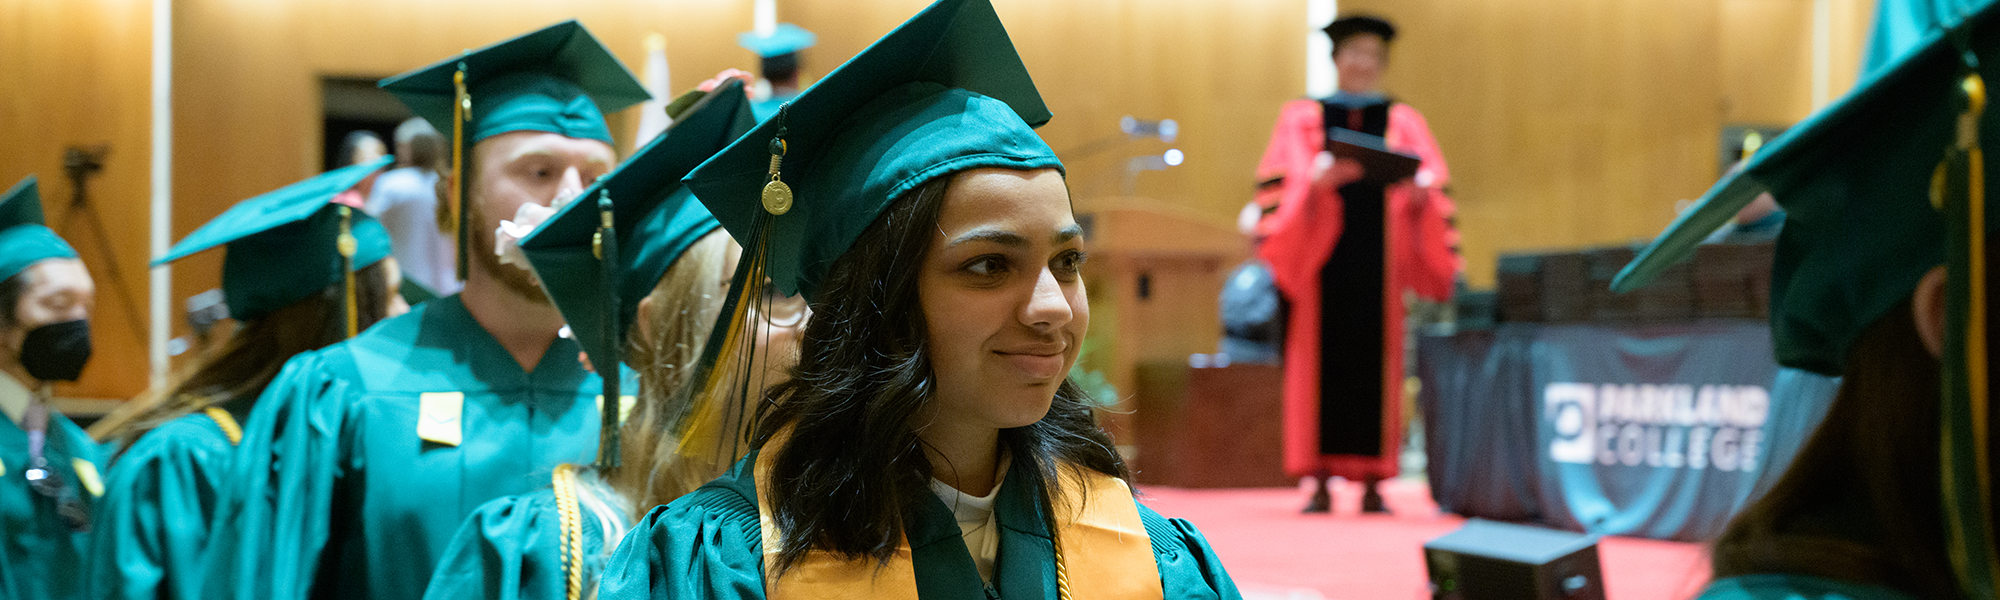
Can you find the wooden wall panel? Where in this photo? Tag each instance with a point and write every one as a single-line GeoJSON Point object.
{"type": "Point", "coordinates": [78, 73]}
{"type": "Point", "coordinates": [1848, 27]}
{"type": "Point", "coordinates": [1767, 60]}
{"type": "Point", "coordinates": [1565, 122]}
{"type": "Point", "coordinates": [1768, 56]}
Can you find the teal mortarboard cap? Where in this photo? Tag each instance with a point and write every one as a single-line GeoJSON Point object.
{"type": "Point", "coordinates": [945, 92]}
{"type": "Point", "coordinates": [655, 219]}
{"type": "Point", "coordinates": [597, 277]}
{"type": "Point", "coordinates": [1855, 182]}
{"type": "Point", "coordinates": [24, 241]}
{"type": "Point", "coordinates": [284, 245]}
{"type": "Point", "coordinates": [1878, 189]}
{"type": "Point", "coordinates": [785, 39]}
{"type": "Point", "coordinates": [559, 79]}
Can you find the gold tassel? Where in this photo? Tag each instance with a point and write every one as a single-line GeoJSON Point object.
{"type": "Point", "coordinates": [1968, 512]}
{"type": "Point", "coordinates": [461, 113]}
{"type": "Point", "coordinates": [724, 399]}
{"type": "Point", "coordinates": [348, 247]}
{"type": "Point", "coordinates": [1975, 343]}
{"type": "Point", "coordinates": [722, 393]}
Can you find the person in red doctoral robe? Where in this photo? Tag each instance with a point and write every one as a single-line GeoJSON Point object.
{"type": "Point", "coordinates": [1347, 253]}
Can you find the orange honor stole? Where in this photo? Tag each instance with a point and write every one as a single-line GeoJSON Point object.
{"type": "Point", "coordinates": [1102, 550]}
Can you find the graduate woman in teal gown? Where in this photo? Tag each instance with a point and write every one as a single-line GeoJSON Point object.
{"type": "Point", "coordinates": [654, 312]}
{"type": "Point", "coordinates": [361, 459]}
{"type": "Point", "coordinates": [287, 283]}
{"type": "Point", "coordinates": [1883, 276]}
{"type": "Point", "coordinates": [49, 478]}
{"type": "Point", "coordinates": [929, 443]}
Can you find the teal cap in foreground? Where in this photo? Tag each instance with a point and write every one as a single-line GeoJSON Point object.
{"type": "Point", "coordinates": [284, 244]}
{"type": "Point", "coordinates": [1879, 189]}
{"type": "Point", "coordinates": [1855, 182]}
{"type": "Point", "coordinates": [24, 240]}
{"type": "Point", "coordinates": [559, 79]}
{"type": "Point", "coordinates": [656, 219]}
{"type": "Point", "coordinates": [785, 39]}
{"type": "Point", "coordinates": [945, 92]}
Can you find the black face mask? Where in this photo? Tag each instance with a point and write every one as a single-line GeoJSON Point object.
{"type": "Point", "coordinates": [57, 351]}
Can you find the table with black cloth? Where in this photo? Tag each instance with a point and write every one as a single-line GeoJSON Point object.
{"type": "Point", "coordinates": [1652, 430]}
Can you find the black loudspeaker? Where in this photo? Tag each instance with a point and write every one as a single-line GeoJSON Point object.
{"type": "Point", "coordinates": [1489, 560]}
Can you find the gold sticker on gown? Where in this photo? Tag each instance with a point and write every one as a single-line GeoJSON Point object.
{"type": "Point", "coordinates": [438, 417]}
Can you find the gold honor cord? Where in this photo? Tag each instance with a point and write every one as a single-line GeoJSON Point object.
{"type": "Point", "coordinates": [461, 113]}
{"type": "Point", "coordinates": [1062, 569]}
{"type": "Point", "coordinates": [348, 246]}
{"type": "Point", "coordinates": [1958, 190]}
{"type": "Point", "coordinates": [226, 422]}
{"type": "Point", "coordinates": [570, 539]}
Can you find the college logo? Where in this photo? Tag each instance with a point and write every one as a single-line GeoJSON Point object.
{"type": "Point", "coordinates": [1657, 425]}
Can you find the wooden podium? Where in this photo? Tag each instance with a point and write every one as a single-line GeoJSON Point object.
{"type": "Point", "coordinates": [1210, 427]}
{"type": "Point", "coordinates": [1155, 275]}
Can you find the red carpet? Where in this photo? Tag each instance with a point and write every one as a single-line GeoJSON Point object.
{"type": "Point", "coordinates": [1274, 552]}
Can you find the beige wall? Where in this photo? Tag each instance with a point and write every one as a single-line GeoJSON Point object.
{"type": "Point", "coordinates": [1219, 68]}
{"type": "Point", "coordinates": [247, 77]}
{"type": "Point", "coordinates": [1570, 123]}
{"type": "Point", "coordinates": [78, 73]}
{"type": "Point", "coordinates": [1767, 56]}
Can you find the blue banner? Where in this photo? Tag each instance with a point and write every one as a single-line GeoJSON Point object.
{"type": "Point", "coordinates": [1659, 431]}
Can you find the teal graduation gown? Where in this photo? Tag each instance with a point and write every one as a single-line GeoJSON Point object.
{"type": "Point", "coordinates": [335, 493]}
{"type": "Point", "coordinates": [511, 549]}
{"type": "Point", "coordinates": [708, 544]}
{"type": "Point", "coordinates": [1776, 586]}
{"type": "Point", "coordinates": [40, 557]}
{"type": "Point", "coordinates": [151, 530]}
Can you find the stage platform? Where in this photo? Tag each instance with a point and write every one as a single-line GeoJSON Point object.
{"type": "Point", "coordinates": [1275, 553]}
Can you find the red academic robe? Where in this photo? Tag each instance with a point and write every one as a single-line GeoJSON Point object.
{"type": "Point", "coordinates": [1304, 225]}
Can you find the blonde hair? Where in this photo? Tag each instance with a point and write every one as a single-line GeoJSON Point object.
{"type": "Point", "coordinates": [685, 302]}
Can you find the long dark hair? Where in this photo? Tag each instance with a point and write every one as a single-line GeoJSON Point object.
{"type": "Point", "coordinates": [1860, 502]}
{"type": "Point", "coordinates": [853, 465]}
{"type": "Point", "coordinates": [247, 362]}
